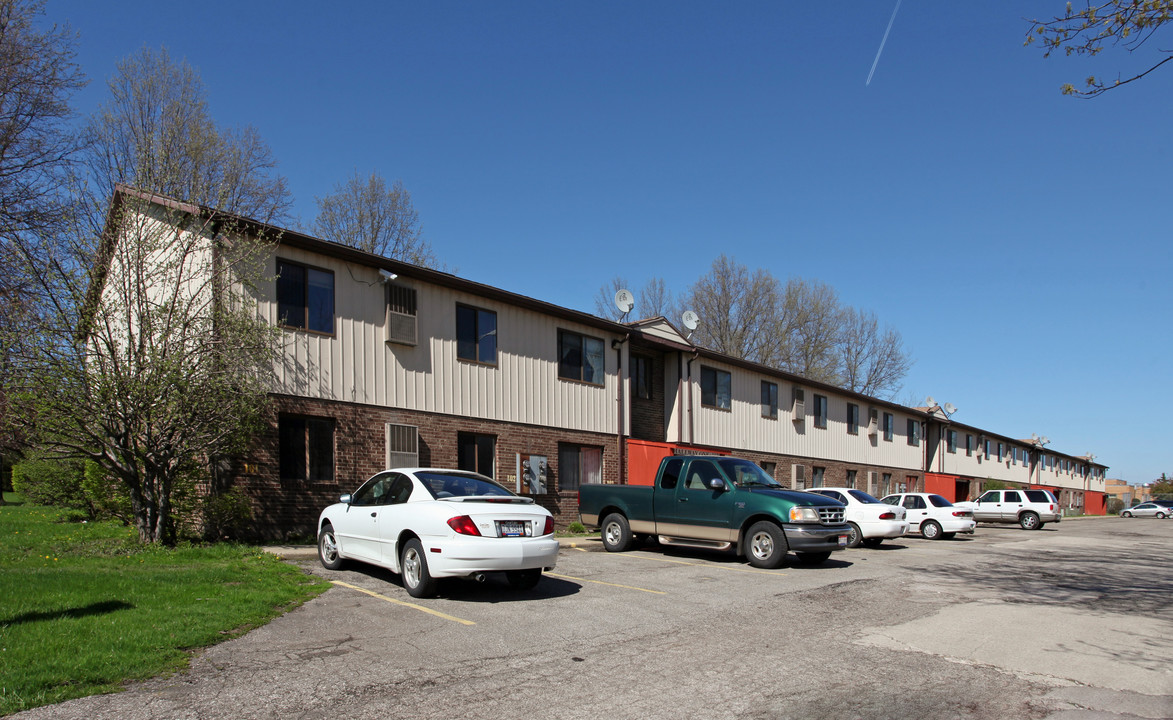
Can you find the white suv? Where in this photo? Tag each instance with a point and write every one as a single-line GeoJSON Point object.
{"type": "Point", "coordinates": [1031, 508]}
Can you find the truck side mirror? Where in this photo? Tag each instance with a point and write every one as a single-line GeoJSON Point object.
{"type": "Point", "coordinates": [716, 484]}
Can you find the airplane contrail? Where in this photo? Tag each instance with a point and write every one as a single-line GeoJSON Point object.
{"type": "Point", "coordinates": [877, 60]}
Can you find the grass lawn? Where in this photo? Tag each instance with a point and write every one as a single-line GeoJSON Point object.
{"type": "Point", "coordinates": [84, 607]}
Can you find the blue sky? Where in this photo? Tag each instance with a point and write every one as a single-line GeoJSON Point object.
{"type": "Point", "coordinates": [1018, 239]}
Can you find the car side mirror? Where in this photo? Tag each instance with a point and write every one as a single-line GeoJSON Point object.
{"type": "Point", "coordinates": [716, 484]}
{"type": "Point", "coordinates": [345, 499]}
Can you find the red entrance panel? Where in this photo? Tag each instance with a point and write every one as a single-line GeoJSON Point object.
{"type": "Point", "coordinates": [644, 456]}
{"type": "Point", "coordinates": [944, 485]}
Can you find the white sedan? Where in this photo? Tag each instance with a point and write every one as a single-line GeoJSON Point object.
{"type": "Point", "coordinates": [426, 524]}
{"type": "Point", "coordinates": [1146, 509]}
{"type": "Point", "coordinates": [869, 519]}
{"type": "Point", "coordinates": [933, 516]}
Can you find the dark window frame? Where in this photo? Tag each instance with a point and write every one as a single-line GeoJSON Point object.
{"type": "Point", "coordinates": [711, 397]}
{"type": "Point", "coordinates": [305, 448]}
{"type": "Point", "coordinates": [769, 400]}
{"type": "Point", "coordinates": [305, 313]}
{"type": "Point", "coordinates": [820, 412]}
{"type": "Point", "coordinates": [479, 340]}
{"type": "Point", "coordinates": [852, 419]}
{"type": "Point", "coordinates": [566, 362]}
{"type": "Point", "coordinates": [641, 377]}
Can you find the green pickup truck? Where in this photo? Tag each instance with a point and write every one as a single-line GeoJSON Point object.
{"type": "Point", "coordinates": [715, 501]}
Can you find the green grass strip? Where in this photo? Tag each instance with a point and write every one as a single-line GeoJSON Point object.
{"type": "Point", "coordinates": [84, 607]}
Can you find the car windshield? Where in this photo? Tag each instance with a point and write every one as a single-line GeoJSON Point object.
{"type": "Point", "coordinates": [939, 501]}
{"type": "Point", "coordinates": [452, 484]}
{"type": "Point", "coordinates": [746, 474]}
{"type": "Point", "coordinates": [862, 496]}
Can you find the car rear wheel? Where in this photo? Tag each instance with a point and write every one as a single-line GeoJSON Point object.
{"type": "Point", "coordinates": [328, 549]}
{"type": "Point", "coordinates": [616, 533]}
{"type": "Point", "coordinates": [413, 569]}
{"type": "Point", "coordinates": [524, 579]}
{"type": "Point", "coordinates": [930, 530]}
{"type": "Point", "coordinates": [1029, 521]}
{"type": "Point", "coordinates": [854, 535]}
{"type": "Point", "coordinates": [765, 545]}
{"type": "Point", "coordinates": [1161, 515]}
{"type": "Point", "coordinates": [1126, 514]}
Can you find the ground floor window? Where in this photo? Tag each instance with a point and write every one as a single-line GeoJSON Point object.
{"type": "Point", "coordinates": [475, 452]}
{"type": "Point", "coordinates": [578, 464]}
{"type": "Point", "coordinates": [851, 478]}
{"type": "Point", "coordinates": [306, 448]}
{"type": "Point", "coordinates": [817, 477]}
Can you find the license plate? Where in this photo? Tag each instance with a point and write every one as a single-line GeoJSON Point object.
{"type": "Point", "coordinates": [842, 541]}
{"type": "Point", "coordinates": [513, 528]}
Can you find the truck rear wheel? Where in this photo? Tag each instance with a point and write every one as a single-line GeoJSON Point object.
{"type": "Point", "coordinates": [765, 545]}
{"type": "Point", "coordinates": [616, 533]}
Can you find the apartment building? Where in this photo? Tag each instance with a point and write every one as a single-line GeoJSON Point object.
{"type": "Point", "coordinates": [389, 364]}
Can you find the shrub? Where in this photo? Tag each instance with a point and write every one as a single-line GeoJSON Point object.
{"type": "Point", "coordinates": [107, 496]}
{"type": "Point", "coordinates": [227, 514]}
{"type": "Point", "coordinates": [576, 527]}
{"type": "Point", "coordinates": [43, 481]}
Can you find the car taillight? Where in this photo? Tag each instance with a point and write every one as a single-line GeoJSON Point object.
{"type": "Point", "coordinates": [888, 516]}
{"type": "Point", "coordinates": [549, 529]}
{"type": "Point", "coordinates": [463, 525]}
{"type": "Point", "coordinates": [960, 513]}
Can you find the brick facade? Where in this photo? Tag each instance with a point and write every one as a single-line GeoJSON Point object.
{"type": "Point", "coordinates": [286, 508]}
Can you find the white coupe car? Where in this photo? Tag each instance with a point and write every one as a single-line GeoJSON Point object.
{"type": "Point", "coordinates": [933, 516]}
{"type": "Point", "coordinates": [869, 519]}
{"type": "Point", "coordinates": [427, 523]}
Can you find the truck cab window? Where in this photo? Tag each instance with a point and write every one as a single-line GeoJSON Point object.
{"type": "Point", "coordinates": [671, 474]}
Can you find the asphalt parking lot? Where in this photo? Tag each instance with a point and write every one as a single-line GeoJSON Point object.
{"type": "Point", "coordinates": [1072, 621]}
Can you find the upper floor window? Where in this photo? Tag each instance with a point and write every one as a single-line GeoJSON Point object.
{"type": "Point", "coordinates": [986, 449]}
{"type": "Point", "coordinates": [968, 444]}
{"type": "Point", "coordinates": [913, 432]}
{"type": "Point", "coordinates": [476, 335]}
{"type": "Point", "coordinates": [305, 297]}
{"type": "Point", "coordinates": [769, 400]}
{"type": "Point", "coordinates": [888, 427]}
{"type": "Point", "coordinates": [820, 411]}
{"type": "Point", "coordinates": [1001, 452]}
{"type": "Point", "coordinates": [852, 419]}
{"type": "Point", "coordinates": [580, 357]}
{"type": "Point", "coordinates": [951, 440]}
{"type": "Point", "coordinates": [716, 388]}
{"type": "Point", "coordinates": [641, 377]}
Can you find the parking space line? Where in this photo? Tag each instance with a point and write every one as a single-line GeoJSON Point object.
{"type": "Point", "coordinates": [600, 582]}
{"type": "Point", "coordinates": [404, 604]}
{"type": "Point", "coordinates": [756, 571]}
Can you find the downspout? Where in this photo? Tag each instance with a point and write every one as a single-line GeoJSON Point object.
{"type": "Point", "coordinates": [617, 345]}
{"type": "Point", "coordinates": [691, 428]}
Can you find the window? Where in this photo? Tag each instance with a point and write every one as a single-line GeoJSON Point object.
{"type": "Point", "coordinates": [852, 419]}
{"type": "Point", "coordinates": [306, 448]}
{"type": "Point", "coordinates": [305, 297]}
{"type": "Point", "coordinates": [768, 467]}
{"type": "Point", "coordinates": [641, 377]}
{"type": "Point", "coordinates": [580, 357]}
{"type": "Point", "coordinates": [798, 404]}
{"type": "Point", "coordinates": [888, 429]}
{"type": "Point", "coordinates": [951, 440]}
{"type": "Point", "coordinates": [817, 476]}
{"type": "Point", "coordinates": [769, 400]}
{"type": "Point", "coordinates": [401, 314]}
{"type": "Point", "coordinates": [886, 483]}
{"type": "Point", "coordinates": [914, 432]}
{"type": "Point", "coordinates": [1012, 497]}
{"type": "Point", "coordinates": [716, 388]}
{"type": "Point", "coordinates": [820, 412]}
{"type": "Point", "coordinates": [671, 473]}
{"type": "Point", "coordinates": [476, 335]}
{"type": "Point", "coordinates": [580, 464]}
{"type": "Point", "coordinates": [476, 452]}
{"type": "Point", "coordinates": [968, 444]}
{"type": "Point", "coordinates": [402, 443]}
{"type": "Point", "coordinates": [986, 449]}
{"type": "Point", "coordinates": [1001, 452]}
{"type": "Point", "coordinates": [851, 478]}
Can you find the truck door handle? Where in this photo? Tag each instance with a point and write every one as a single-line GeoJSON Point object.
{"type": "Point", "coordinates": [682, 499]}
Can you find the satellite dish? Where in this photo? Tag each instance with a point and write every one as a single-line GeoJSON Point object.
{"type": "Point", "coordinates": [1034, 436]}
{"type": "Point", "coordinates": [950, 408]}
{"type": "Point", "coordinates": [624, 300]}
{"type": "Point", "coordinates": [1045, 440]}
{"type": "Point", "coordinates": [930, 402]}
{"type": "Point", "coordinates": [690, 319]}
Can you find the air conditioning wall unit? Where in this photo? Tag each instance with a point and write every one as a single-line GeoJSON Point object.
{"type": "Point", "coordinates": [798, 405]}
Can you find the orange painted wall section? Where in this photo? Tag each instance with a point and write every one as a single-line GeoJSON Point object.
{"type": "Point", "coordinates": [644, 456]}
{"type": "Point", "coordinates": [943, 485]}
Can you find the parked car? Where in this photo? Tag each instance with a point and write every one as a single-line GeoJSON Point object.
{"type": "Point", "coordinates": [1146, 509]}
{"type": "Point", "coordinates": [933, 516]}
{"type": "Point", "coordinates": [429, 523]}
{"type": "Point", "coordinates": [869, 519]}
{"type": "Point", "coordinates": [1031, 508]}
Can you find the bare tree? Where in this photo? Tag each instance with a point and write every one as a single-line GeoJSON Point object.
{"type": "Point", "coordinates": [806, 330]}
{"type": "Point", "coordinates": [655, 299]}
{"type": "Point", "coordinates": [871, 361]}
{"type": "Point", "coordinates": [1095, 26]}
{"type": "Point", "coordinates": [368, 215]}
{"type": "Point", "coordinates": [737, 309]}
{"type": "Point", "coordinates": [155, 133]}
{"type": "Point", "coordinates": [605, 298]}
{"type": "Point", "coordinates": [172, 364]}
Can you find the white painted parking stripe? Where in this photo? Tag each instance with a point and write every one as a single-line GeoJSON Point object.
{"type": "Point", "coordinates": [600, 582]}
{"type": "Point", "coordinates": [413, 606]}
